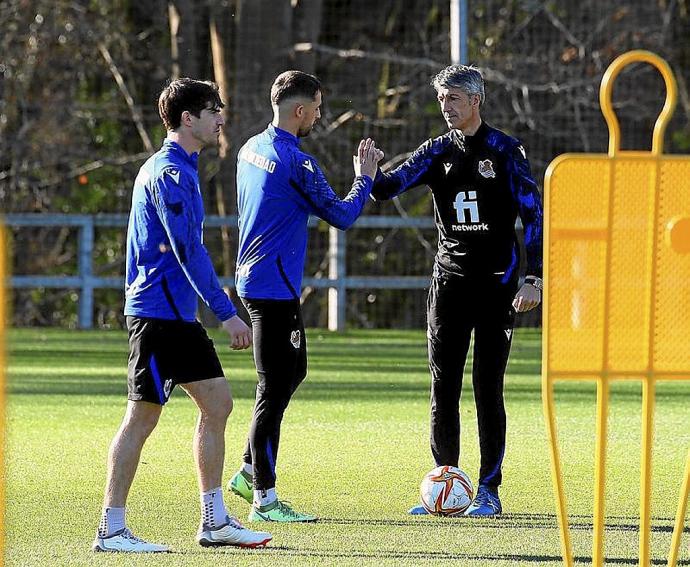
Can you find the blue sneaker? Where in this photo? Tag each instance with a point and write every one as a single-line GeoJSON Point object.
{"type": "Point", "coordinates": [417, 510]}
{"type": "Point", "coordinates": [486, 503]}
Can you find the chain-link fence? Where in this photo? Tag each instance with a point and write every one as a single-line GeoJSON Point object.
{"type": "Point", "coordinates": [78, 83]}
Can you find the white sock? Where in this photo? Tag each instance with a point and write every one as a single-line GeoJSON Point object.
{"type": "Point", "coordinates": [248, 468]}
{"type": "Point", "coordinates": [112, 521]}
{"type": "Point", "coordinates": [265, 497]}
{"type": "Point", "coordinates": [213, 511]}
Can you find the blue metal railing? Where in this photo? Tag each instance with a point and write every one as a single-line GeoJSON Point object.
{"type": "Point", "coordinates": [337, 282]}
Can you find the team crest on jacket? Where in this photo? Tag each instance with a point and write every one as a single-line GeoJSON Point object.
{"type": "Point", "coordinates": [295, 338]}
{"type": "Point", "coordinates": [486, 169]}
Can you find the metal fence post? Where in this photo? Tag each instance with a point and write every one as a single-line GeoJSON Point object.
{"type": "Point", "coordinates": [337, 269]}
{"type": "Point", "coordinates": [458, 32]}
{"type": "Point", "coordinates": [86, 240]}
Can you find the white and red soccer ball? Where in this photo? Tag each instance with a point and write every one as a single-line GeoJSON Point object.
{"type": "Point", "coordinates": [446, 491]}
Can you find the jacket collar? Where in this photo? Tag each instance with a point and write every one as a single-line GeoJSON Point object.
{"type": "Point", "coordinates": [276, 132]}
{"type": "Point", "coordinates": [179, 151]}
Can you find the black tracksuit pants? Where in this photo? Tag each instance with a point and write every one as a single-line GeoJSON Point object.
{"type": "Point", "coordinates": [280, 355]}
{"type": "Point", "coordinates": [456, 306]}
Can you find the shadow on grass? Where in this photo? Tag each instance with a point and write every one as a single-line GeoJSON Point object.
{"type": "Point", "coordinates": [513, 521]}
{"type": "Point", "coordinates": [112, 380]}
{"type": "Point", "coordinates": [518, 559]}
{"type": "Point", "coordinates": [78, 385]}
{"type": "Point", "coordinates": [377, 364]}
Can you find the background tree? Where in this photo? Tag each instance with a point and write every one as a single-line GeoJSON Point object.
{"type": "Point", "coordinates": [79, 81]}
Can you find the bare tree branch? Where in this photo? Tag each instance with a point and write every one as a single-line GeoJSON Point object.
{"type": "Point", "coordinates": [489, 74]}
{"type": "Point", "coordinates": [134, 110]}
{"type": "Point", "coordinates": [560, 26]}
{"type": "Point", "coordinates": [91, 166]}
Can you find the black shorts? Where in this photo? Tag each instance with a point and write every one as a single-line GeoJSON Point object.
{"type": "Point", "coordinates": [280, 343]}
{"type": "Point", "coordinates": [163, 353]}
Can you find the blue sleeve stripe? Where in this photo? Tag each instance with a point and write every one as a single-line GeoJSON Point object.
{"type": "Point", "coordinates": [513, 265]}
{"type": "Point", "coordinates": [157, 380]}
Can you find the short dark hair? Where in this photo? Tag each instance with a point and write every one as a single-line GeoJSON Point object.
{"type": "Point", "coordinates": [292, 84]}
{"type": "Point", "coordinates": [186, 94]}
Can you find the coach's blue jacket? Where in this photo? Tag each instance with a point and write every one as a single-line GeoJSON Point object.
{"type": "Point", "coordinates": [167, 263]}
{"type": "Point", "coordinates": [278, 187]}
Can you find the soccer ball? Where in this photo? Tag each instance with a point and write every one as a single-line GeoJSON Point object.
{"type": "Point", "coordinates": [446, 491]}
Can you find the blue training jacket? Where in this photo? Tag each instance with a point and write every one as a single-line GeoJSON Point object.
{"type": "Point", "coordinates": [167, 263]}
{"type": "Point", "coordinates": [278, 187]}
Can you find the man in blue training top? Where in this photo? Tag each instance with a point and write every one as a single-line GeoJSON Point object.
{"type": "Point", "coordinates": [168, 268]}
{"type": "Point", "coordinates": [278, 187]}
{"type": "Point", "coordinates": [480, 182]}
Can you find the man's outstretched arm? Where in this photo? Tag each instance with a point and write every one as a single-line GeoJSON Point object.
{"type": "Point", "coordinates": [414, 171]}
{"type": "Point", "coordinates": [324, 202]}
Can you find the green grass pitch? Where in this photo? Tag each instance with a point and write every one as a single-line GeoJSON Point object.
{"type": "Point", "coordinates": [353, 450]}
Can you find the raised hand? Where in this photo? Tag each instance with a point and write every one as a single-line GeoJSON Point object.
{"type": "Point", "coordinates": [367, 159]}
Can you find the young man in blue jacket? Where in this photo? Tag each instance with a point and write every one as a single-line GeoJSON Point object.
{"type": "Point", "coordinates": [480, 181]}
{"type": "Point", "coordinates": [278, 187]}
{"type": "Point", "coordinates": [168, 268]}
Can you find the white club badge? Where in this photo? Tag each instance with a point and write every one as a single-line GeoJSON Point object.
{"type": "Point", "coordinates": [486, 169]}
{"type": "Point", "coordinates": [295, 338]}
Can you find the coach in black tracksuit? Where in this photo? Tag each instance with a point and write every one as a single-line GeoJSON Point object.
{"type": "Point", "coordinates": [480, 181]}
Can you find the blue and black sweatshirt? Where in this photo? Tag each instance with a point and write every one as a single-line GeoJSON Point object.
{"type": "Point", "coordinates": [278, 187]}
{"type": "Point", "coordinates": [168, 266]}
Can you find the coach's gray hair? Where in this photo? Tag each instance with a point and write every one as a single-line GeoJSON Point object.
{"type": "Point", "coordinates": [464, 77]}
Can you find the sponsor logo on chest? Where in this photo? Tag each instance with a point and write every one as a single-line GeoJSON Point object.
{"type": "Point", "coordinates": [468, 215]}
